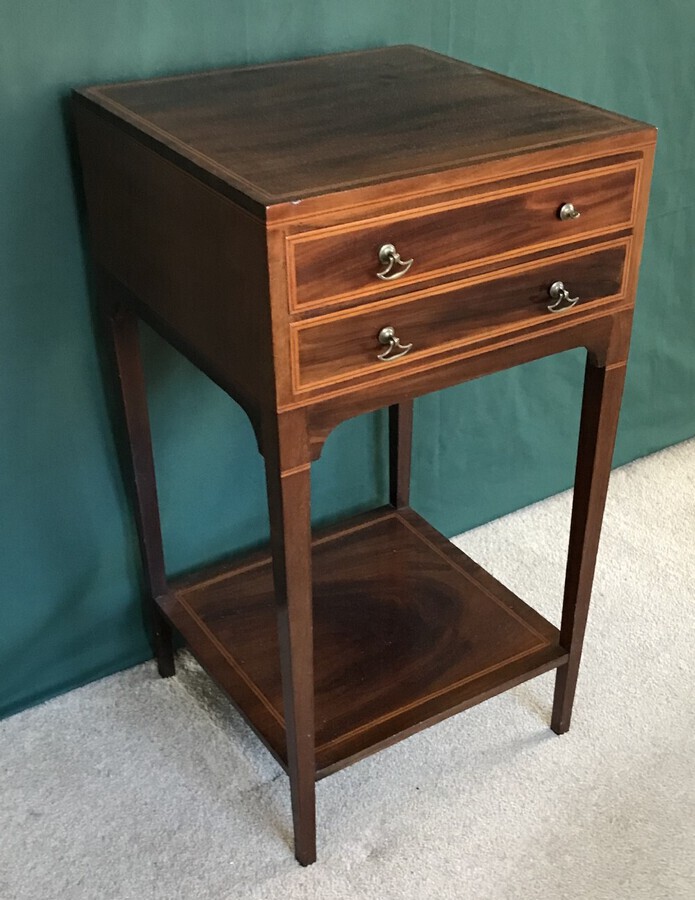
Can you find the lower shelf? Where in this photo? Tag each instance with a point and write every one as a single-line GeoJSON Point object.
{"type": "Point", "coordinates": [407, 631]}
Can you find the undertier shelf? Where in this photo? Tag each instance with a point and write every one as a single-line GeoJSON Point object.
{"type": "Point", "coordinates": [407, 631]}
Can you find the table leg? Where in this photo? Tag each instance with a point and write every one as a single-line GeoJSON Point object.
{"type": "Point", "coordinates": [288, 479]}
{"type": "Point", "coordinates": [603, 388]}
{"type": "Point", "coordinates": [400, 452]}
{"type": "Point", "coordinates": [123, 327]}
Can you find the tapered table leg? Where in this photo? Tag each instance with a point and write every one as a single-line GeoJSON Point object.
{"type": "Point", "coordinates": [123, 329]}
{"type": "Point", "coordinates": [288, 478]}
{"type": "Point", "coordinates": [603, 388]}
{"type": "Point", "coordinates": [400, 452]}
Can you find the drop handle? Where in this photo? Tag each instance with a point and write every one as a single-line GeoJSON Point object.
{"type": "Point", "coordinates": [559, 293]}
{"type": "Point", "coordinates": [390, 258]}
{"type": "Point", "coordinates": [394, 349]}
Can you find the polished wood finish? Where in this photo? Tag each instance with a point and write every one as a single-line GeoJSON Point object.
{"type": "Point", "coordinates": [600, 335]}
{"type": "Point", "coordinates": [194, 262]}
{"type": "Point", "coordinates": [408, 630]}
{"type": "Point", "coordinates": [456, 236]}
{"type": "Point", "coordinates": [122, 326]}
{"type": "Point", "coordinates": [400, 452]}
{"type": "Point", "coordinates": [328, 349]}
{"type": "Point", "coordinates": [603, 389]}
{"type": "Point", "coordinates": [288, 480]}
{"type": "Point", "coordinates": [378, 115]}
{"type": "Point", "coordinates": [240, 212]}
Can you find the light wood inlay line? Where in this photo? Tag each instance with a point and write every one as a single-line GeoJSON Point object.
{"type": "Point", "coordinates": [169, 140]}
{"type": "Point", "coordinates": [427, 699]}
{"type": "Point", "coordinates": [234, 212]}
{"type": "Point", "coordinates": [413, 188]}
{"type": "Point", "coordinates": [296, 470]}
{"type": "Point", "coordinates": [223, 651]}
{"type": "Point", "coordinates": [438, 360]}
{"type": "Point", "coordinates": [473, 580]}
{"type": "Point", "coordinates": [480, 199]}
{"type": "Point", "coordinates": [496, 275]}
{"type": "Point", "coordinates": [417, 277]}
{"type": "Point", "coordinates": [372, 369]}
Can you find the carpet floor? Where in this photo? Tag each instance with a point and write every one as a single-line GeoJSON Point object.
{"type": "Point", "coordinates": [134, 788]}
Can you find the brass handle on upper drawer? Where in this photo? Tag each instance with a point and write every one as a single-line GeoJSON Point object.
{"type": "Point", "coordinates": [390, 257]}
{"type": "Point", "coordinates": [568, 211]}
{"type": "Point", "coordinates": [389, 337]}
{"type": "Point", "coordinates": [561, 295]}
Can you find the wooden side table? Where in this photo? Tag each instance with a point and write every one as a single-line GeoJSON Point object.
{"type": "Point", "coordinates": [324, 238]}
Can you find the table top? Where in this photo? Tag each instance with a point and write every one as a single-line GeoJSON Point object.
{"type": "Point", "coordinates": [292, 130]}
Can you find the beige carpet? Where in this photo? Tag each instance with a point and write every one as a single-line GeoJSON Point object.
{"type": "Point", "coordinates": [146, 789]}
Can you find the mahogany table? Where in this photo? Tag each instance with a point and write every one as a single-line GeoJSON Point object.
{"type": "Point", "coordinates": [328, 237]}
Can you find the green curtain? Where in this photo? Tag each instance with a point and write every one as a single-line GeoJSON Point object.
{"type": "Point", "coordinates": [68, 561]}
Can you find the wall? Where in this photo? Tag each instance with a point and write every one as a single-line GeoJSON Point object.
{"type": "Point", "coordinates": [69, 607]}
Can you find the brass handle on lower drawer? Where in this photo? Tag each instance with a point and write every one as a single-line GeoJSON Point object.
{"type": "Point", "coordinates": [390, 257]}
{"type": "Point", "coordinates": [388, 337]}
{"type": "Point", "coordinates": [561, 295]}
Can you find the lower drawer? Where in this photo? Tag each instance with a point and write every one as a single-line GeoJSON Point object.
{"type": "Point", "coordinates": [336, 347]}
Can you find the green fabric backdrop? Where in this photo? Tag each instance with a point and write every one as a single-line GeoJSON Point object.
{"type": "Point", "coordinates": [69, 579]}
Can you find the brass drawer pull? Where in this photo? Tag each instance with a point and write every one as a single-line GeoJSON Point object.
{"type": "Point", "coordinates": [388, 337]}
{"type": "Point", "coordinates": [390, 257]}
{"type": "Point", "coordinates": [568, 211]}
{"type": "Point", "coordinates": [561, 295]}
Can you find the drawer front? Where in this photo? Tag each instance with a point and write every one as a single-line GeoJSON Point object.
{"type": "Point", "coordinates": [333, 348]}
{"type": "Point", "coordinates": [333, 264]}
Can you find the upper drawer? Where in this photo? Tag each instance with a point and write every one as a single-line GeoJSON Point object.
{"type": "Point", "coordinates": [332, 264]}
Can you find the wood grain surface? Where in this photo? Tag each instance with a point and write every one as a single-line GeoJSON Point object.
{"type": "Point", "coordinates": [406, 628]}
{"type": "Point", "coordinates": [328, 349]}
{"type": "Point", "coordinates": [283, 132]}
{"type": "Point", "coordinates": [447, 239]}
{"type": "Point", "coordinates": [240, 213]}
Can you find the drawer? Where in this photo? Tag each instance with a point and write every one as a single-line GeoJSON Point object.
{"type": "Point", "coordinates": [336, 347]}
{"type": "Point", "coordinates": [342, 262]}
